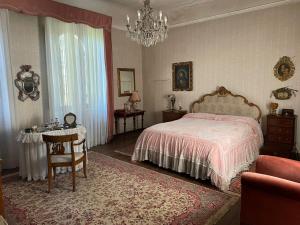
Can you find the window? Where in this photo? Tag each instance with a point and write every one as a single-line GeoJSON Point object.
{"type": "Point", "coordinates": [77, 76]}
{"type": "Point", "coordinates": [8, 151]}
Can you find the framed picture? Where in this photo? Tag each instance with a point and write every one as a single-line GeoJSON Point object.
{"type": "Point", "coordinates": [287, 112]}
{"type": "Point", "coordinates": [183, 76]}
{"type": "Point", "coordinates": [126, 81]}
{"type": "Point", "coordinates": [284, 69]}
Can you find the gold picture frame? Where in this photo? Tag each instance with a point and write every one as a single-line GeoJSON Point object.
{"type": "Point", "coordinates": [284, 69]}
{"type": "Point", "coordinates": [182, 76]}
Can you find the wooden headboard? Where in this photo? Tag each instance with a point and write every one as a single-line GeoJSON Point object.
{"type": "Point", "coordinates": [224, 102]}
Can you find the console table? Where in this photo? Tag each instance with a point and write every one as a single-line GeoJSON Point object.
{"type": "Point", "coordinates": [121, 113]}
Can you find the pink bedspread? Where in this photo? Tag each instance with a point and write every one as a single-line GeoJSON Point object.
{"type": "Point", "coordinates": [202, 145]}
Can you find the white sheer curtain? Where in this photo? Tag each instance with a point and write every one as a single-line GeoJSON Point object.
{"type": "Point", "coordinates": [77, 76]}
{"type": "Point", "coordinates": [8, 150]}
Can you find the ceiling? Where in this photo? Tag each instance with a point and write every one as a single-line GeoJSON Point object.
{"type": "Point", "coordinates": [179, 12]}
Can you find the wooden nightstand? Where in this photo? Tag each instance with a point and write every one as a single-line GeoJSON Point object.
{"type": "Point", "coordinates": [170, 115]}
{"type": "Point", "coordinates": [280, 138]}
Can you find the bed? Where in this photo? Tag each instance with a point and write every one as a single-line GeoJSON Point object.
{"type": "Point", "coordinates": [218, 139]}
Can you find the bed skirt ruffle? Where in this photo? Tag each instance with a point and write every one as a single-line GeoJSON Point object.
{"type": "Point", "coordinates": [151, 147]}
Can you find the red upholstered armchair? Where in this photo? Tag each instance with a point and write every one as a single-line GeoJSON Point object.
{"type": "Point", "coordinates": [271, 196]}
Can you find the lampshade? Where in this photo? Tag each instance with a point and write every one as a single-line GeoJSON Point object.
{"type": "Point", "coordinates": [134, 97]}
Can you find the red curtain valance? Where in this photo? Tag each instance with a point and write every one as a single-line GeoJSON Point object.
{"type": "Point", "coordinates": [59, 11]}
{"type": "Point", "coordinates": [70, 14]}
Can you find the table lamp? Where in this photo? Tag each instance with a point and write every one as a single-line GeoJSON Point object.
{"type": "Point", "coordinates": [133, 99]}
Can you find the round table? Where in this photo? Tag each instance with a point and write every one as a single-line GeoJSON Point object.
{"type": "Point", "coordinates": [33, 156]}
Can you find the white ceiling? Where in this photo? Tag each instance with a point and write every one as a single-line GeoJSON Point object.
{"type": "Point", "coordinates": [179, 12]}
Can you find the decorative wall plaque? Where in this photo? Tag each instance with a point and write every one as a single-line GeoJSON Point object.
{"type": "Point", "coordinates": [284, 93]}
{"type": "Point", "coordinates": [284, 69]}
{"type": "Point", "coordinates": [27, 82]}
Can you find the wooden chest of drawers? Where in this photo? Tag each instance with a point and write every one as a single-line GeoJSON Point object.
{"type": "Point", "coordinates": [280, 137]}
{"type": "Point", "coordinates": [170, 115]}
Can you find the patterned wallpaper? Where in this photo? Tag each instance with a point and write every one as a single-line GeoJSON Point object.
{"type": "Point", "coordinates": [25, 49]}
{"type": "Point", "coordinates": [126, 54]}
{"type": "Point", "coordinates": [238, 52]}
{"type": "Point", "coordinates": [29, 30]}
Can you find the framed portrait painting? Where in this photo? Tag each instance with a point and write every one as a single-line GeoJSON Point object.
{"type": "Point", "coordinates": [284, 69]}
{"type": "Point", "coordinates": [183, 76]}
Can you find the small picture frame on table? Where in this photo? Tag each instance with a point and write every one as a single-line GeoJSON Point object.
{"type": "Point", "coordinates": [287, 112]}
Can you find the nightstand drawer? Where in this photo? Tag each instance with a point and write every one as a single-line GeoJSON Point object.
{"type": "Point", "coordinates": [280, 139]}
{"type": "Point", "coordinates": [281, 122]}
{"type": "Point", "coordinates": [284, 131]}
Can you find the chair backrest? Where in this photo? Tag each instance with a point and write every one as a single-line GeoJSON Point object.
{"type": "Point", "coordinates": [57, 143]}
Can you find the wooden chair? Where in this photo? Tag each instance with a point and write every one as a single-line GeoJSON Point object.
{"type": "Point", "coordinates": [57, 157]}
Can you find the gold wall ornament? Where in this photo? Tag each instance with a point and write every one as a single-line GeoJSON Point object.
{"type": "Point", "coordinates": [284, 93]}
{"type": "Point", "coordinates": [284, 69]}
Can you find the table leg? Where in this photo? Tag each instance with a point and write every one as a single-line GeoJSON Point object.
{"type": "Point", "coordinates": [28, 162]}
{"type": "Point", "coordinates": [116, 125]}
{"type": "Point", "coordinates": [134, 125]}
{"type": "Point", "coordinates": [124, 124]}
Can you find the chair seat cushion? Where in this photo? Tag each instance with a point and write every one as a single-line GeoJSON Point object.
{"type": "Point", "coordinates": [66, 157]}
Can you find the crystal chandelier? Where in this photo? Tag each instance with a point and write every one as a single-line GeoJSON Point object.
{"type": "Point", "coordinates": [149, 28]}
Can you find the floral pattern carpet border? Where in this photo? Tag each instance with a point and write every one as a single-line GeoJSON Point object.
{"type": "Point", "coordinates": [115, 193]}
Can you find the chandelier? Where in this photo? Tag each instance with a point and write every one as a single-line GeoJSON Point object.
{"type": "Point", "coordinates": [149, 28]}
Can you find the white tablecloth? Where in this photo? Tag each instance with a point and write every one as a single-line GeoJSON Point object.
{"type": "Point", "coordinates": [33, 156]}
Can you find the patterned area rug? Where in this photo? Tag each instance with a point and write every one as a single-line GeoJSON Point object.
{"type": "Point", "coordinates": [115, 192]}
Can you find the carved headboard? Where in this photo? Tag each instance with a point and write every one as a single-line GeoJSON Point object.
{"type": "Point", "coordinates": [224, 102]}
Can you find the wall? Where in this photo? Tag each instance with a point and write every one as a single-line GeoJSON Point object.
{"type": "Point", "coordinates": [126, 54]}
{"type": "Point", "coordinates": [27, 46]}
{"type": "Point", "coordinates": [238, 52]}
{"type": "Point", "coordinates": [25, 50]}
